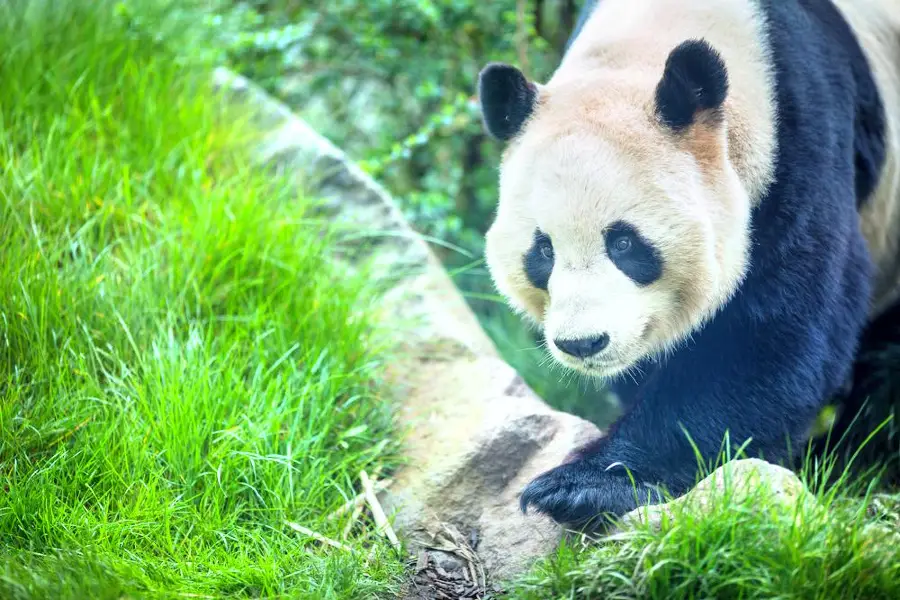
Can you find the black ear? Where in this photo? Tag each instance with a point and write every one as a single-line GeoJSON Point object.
{"type": "Point", "coordinates": [694, 81]}
{"type": "Point", "coordinates": [507, 99]}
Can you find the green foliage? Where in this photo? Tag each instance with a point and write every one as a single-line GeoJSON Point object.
{"type": "Point", "coordinates": [183, 368]}
{"type": "Point", "coordinates": [393, 84]}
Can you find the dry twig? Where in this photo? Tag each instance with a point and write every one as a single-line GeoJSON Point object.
{"type": "Point", "coordinates": [317, 536]}
{"type": "Point", "coordinates": [360, 499]}
{"type": "Point", "coordinates": [381, 521]}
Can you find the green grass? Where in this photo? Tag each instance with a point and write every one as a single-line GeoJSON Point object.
{"type": "Point", "coordinates": [183, 367]}
{"type": "Point", "coordinates": [744, 544]}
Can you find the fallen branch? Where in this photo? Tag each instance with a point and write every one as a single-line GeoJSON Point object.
{"type": "Point", "coordinates": [381, 521]}
{"type": "Point", "coordinates": [317, 536]}
{"type": "Point", "coordinates": [360, 500]}
{"type": "Point", "coordinates": [358, 504]}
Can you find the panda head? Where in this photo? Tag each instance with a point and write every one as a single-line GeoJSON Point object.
{"type": "Point", "coordinates": [621, 224]}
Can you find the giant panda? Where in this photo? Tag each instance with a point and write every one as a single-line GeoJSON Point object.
{"type": "Point", "coordinates": [702, 207]}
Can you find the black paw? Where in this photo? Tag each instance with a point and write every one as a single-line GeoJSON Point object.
{"type": "Point", "coordinates": [579, 492]}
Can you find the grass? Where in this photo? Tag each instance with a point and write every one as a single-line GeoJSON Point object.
{"type": "Point", "coordinates": [842, 540]}
{"type": "Point", "coordinates": [183, 367]}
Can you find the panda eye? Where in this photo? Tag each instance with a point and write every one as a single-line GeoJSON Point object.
{"type": "Point", "coordinates": [537, 261]}
{"type": "Point", "coordinates": [633, 254]}
{"type": "Point", "coordinates": [622, 244]}
{"type": "Point", "coordinates": [547, 251]}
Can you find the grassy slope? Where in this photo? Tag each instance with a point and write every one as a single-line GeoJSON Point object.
{"type": "Point", "coordinates": [181, 367]}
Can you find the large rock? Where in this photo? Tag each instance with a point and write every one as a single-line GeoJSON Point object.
{"type": "Point", "coordinates": [474, 433]}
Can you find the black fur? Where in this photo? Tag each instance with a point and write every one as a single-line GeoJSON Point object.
{"type": "Point", "coordinates": [538, 266]}
{"type": "Point", "coordinates": [869, 134]}
{"type": "Point", "coordinates": [641, 262]}
{"type": "Point", "coordinates": [507, 99]}
{"type": "Point", "coordinates": [694, 80]}
{"type": "Point", "coordinates": [763, 367]}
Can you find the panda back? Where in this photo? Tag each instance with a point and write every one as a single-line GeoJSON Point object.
{"type": "Point", "coordinates": [876, 27]}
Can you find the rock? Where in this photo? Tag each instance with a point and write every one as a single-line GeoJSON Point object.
{"type": "Point", "coordinates": [750, 481]}
{"type": "Point", "coordinates": [473, 457]}
{"type": "Point", "coordinates": [446, 562]}
{"type": "Point", "coordinates": [474, 433]}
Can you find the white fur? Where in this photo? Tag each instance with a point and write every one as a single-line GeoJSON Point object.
{"type": "Point", "coordinates": [877, 27]}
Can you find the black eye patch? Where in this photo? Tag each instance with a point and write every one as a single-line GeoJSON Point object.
{"type": "Point", "coordinates": [637, 258]}
{"type": "Point", "coordinates": [538, 261]}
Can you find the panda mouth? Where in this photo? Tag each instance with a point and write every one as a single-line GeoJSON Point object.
{"type": "Point", "coordinates": [606, 368]}
{"type": "Point", "coordinates": [596, 367]}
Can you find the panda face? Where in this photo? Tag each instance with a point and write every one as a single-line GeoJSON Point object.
{"type": "Point", "coordinates": [621, 226]}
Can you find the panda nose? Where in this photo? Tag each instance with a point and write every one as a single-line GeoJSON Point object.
{"type": "Point", "coordinates": [584, 347]}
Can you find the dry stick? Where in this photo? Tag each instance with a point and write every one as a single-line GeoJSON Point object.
{"type": "Point", "coordinates": [353, 503]}
{"type": "Point", "coordinates": [358, 504]}
{"type": "Point", "coordinates": [359, 500]}
{"type": "Point", "coordinates": [317, 536]}
{"type": "Point", "coordinates": [378, 512]}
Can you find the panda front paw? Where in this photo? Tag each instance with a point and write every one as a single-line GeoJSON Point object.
{"type": "Point", "coordinates": [577, 493]}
